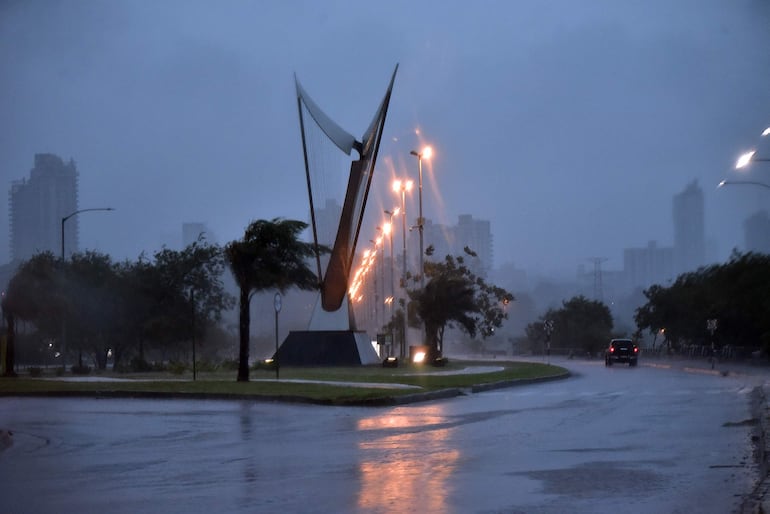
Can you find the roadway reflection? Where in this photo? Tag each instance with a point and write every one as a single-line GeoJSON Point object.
{"type": "Point", "coordinates": [407, 461]}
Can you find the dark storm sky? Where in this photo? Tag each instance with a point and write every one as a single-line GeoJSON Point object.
{"type": "Point", "coordinates": [569, 124]}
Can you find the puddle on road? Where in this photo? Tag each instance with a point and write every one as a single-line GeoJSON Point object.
{"type": "Point", "coordinates": [598, 479]}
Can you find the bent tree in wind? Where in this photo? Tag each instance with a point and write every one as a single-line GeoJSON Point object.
{"type": "Point", "coordinates": [269, 256]}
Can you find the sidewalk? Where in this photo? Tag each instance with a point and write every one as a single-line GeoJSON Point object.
{"type": "Point", "coordinates": [760, 370]}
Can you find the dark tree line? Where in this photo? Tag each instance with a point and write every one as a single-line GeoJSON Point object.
{"type": "Point", "coordinates": [169, 300]}
{"type": "Point", "coordinates": [579, 324]}
{"type": "Point", "coordinates": [92, 306]}
{"type": "Point", "coordinates": [735, 294]}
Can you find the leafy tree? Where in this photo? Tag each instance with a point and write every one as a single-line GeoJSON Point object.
{"type": "Point", "coordinates": [33, 294]}
{"type": "Point", "coordinates": [733, 293]}
{"type": "Point", "coordinates": [188, 292]}
{"type": "Point", "coordinates": [580, 322]}
{"type": "Point", "coordinates": [92, 305]}
{"type": "Point", "coordinates": [269, 256]}
{"type": "Point", "coordinates": [116, 307]}
{"type": "Point", "coordinates": [9, 320]}
{"type": "Point", "coordinates": [455, 297]}
{"type": "Point", "coordinates": [136, 284]}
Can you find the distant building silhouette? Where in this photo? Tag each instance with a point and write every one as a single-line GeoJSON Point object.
{"type": "Point", "coordinates": [689, 229]}
{"type": "Point", "coordinates": [646, 266]}
{"type": "Point", "coordinates": [756, 230]}
{"type": "Point", "coordinates": [451, 240]}
{"type": "Point", "coordinates": [37, 206]}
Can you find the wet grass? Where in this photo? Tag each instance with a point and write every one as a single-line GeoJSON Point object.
{"type": "Point", "coordinates": [263, 384]}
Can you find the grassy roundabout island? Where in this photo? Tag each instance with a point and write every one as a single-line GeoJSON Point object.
{"type": "Point", "coordinates": [332, 386]}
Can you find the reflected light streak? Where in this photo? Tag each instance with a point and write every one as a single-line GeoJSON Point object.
{"type": "Point", "coordinates": [408, 464]}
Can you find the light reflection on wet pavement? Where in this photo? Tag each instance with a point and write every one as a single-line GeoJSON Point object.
{"type": "Point", "coordinates": [610, 440]}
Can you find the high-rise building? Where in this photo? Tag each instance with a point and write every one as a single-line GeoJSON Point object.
{"type": "Point", "coordinates": [452, 240]}
{"type": "Point", "coordinates": [643, 267]}
{"type": "Point", "coordinates": [689, 229]}
{"type": "Point", "coordinates": [756, 230]}
{"type": "Point", "coordinates": [476, 235]}
{"type": "Point", "coordinates": [37, 206]}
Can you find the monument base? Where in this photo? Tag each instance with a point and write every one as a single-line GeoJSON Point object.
{"type": "Point", "coordinates": [326, 348]}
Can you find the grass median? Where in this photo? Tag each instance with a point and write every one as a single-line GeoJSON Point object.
{"type": "Point", "coordinates": [327, 385]}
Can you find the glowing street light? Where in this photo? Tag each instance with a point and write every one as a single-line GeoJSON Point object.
{"type": "Point", "coordinates": [387, 229]}
{"type": "Point", "coordinates": [426, 153]}
{"type": "Point", "coordinates": [744, 160]}
{"type": "Point", "coordinates": [748, 157]}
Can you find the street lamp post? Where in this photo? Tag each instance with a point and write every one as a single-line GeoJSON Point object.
{"type": "Point", "coordinates": [277, 306]}
{"type": "Point", "coordinates": [376, 289]}
{"type": "Point", "coordinates": [388, 229]}
{"type": "Point", "coordinates": [426, 153]}
{"type": "Point", "coordinates": [378, 242]}
{"type": "Point", "coordinates": [64, 318]}
{"type": "Point", "coordinates": [402, 187]}
{"type": "Point", "coordinates": [711, 326]}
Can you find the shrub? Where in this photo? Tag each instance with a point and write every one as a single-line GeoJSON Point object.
{"type": "Point", "coordinates": [35, 372]}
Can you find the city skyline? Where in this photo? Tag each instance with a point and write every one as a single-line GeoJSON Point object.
{"type": "Point", "coordinates": [643, 266]}
{"type": "Point", "coordinates": [567, 127]}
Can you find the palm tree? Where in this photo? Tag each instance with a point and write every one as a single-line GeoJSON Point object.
{"type": "Point", "coordinates": [268, 257]}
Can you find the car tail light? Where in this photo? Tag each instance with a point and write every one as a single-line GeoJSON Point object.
{"type": "Point", "coordinates": [636, 349]}
{"type": "Point", "coordinates": [612, 349]}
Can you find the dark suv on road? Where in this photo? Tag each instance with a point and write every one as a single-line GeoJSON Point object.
{"type": "Point", "coordinates": [621, 350]}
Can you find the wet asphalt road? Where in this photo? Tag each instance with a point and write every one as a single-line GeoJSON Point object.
{"type": "Point", "coordinates": [641, 440]}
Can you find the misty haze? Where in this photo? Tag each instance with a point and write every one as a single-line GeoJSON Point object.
{"type": "Point", "coordinates": [565, 134]}
{"type": "Point", "coordinates": [303, 195]}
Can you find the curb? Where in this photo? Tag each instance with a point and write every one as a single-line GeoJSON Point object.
{"type": "Point", "coordinates": [384, 401]}
{"type": "Point", "coordinates": [480, 388]}
{"type": "Point", "coordinates": [758, 500]}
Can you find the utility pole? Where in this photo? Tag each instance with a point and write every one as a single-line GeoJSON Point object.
{"type": "Point", "coordinates": [598, 287]}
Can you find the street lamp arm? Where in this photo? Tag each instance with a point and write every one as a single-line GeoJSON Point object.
{"type": "Point", "coordinates": [743, 182]}
{"type": "Point", "coordinates": [68, 216]}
